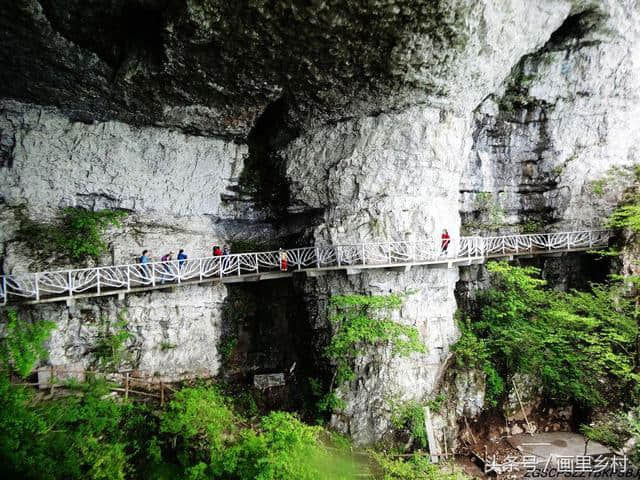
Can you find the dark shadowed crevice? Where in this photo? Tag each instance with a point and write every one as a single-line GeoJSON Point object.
{"type": "Point", "coordinates": [263, 182]}
{"type": "Point", "coordinates": [264, 174]}
{"type": "Point", "coordinates": [124, 26]}
{"type": "Point", "coordinates": [266, 331]}
{"type": "Point", "coordinates": [574, 30]}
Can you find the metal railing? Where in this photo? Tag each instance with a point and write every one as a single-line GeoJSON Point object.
{"type": "Point", "coordinates": [64, 284]}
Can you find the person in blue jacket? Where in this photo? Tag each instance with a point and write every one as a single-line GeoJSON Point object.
{"type": "Point", "coordinates": [182, 257]}
{"type": "Point", "coordinates": [144, 260]}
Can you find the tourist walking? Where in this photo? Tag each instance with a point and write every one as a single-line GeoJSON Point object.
{"type": "Point", "coordinates": [144, 260]}
{"type": "Point", "coordinates": [283, 260]}
{"type": "Point", "coordinates": [217, 251]}
{"type": "Point", "coordinates": [446, 240]}
{"type": "Point", "coordinates": [182, 257]}
{"type": "Point", "coordinates": [166, 266]}
{"type": "Point", "coordinates": [226, 250]}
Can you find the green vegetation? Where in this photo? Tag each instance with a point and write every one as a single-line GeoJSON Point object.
{"type": "Point", "coordinates": [166, 345]}
{"type": "Point", "coordinates": [580, 345]}
{"type": "Point", "coordinates": [490, 212]}
{"type": "Point", "coordinates": [616, 177]}
{"type": "Point", "coordinates": [110, 351]}
{"type": "Point", "coordinates": [614, 429]}
{"type": "Point", "coordinates": [437, 403]}
{"type": "Point", "coordinates": [627, 214]}
{"type": "Point", "coordinates": [531, 226]}
{"type": "Point", "coordinates": [22, 346]}
{"type": "Point", "coordinates": [200, 435]}
{"type": "Point", "coordinates": [415, 467]}
{"type": "Point", "coordinates": [226, 349]}
{"type": "Point", "coordinates": [409, 416]}
{"type": "Point", "coordinates": [75, 233]}
{"type": "Point", "coordinates": [361, 321]}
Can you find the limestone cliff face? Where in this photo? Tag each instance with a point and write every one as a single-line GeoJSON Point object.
{"type": "Point", "coordinates": [390, 177]}
{"type": "Point", "coordinates": [563, 118]}
{"type": "Point", "coordinates": [398, 119]}
{"type": "Point", "coordinates": [170, 183]}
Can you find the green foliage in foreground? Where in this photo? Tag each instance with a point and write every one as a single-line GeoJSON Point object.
{"type": "Point", "coordinates": [416, 467]}
{"type": "Point", "coordinates": [75, 233]}
{"type": "Point", "coordinates": [627, 214]}
{"type": "Point", "coordinates": [22, 346]}
{"type": "Point", "coordinates": [360, 322]}
{"type": "Point", "coordinates": [581, 345]}
{"type": "Point", "coordinates": [109, 352]}
{"type": "Point", "coordinates": [409, 416]}
{"type": "Point", "coordinates": [88, 434]}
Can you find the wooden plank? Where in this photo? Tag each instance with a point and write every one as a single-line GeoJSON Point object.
{"type": "Point", "coordinates": [434, 446]}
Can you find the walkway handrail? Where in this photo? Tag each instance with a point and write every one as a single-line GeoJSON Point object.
{"type": "Point", "coordinates": [63, 284]}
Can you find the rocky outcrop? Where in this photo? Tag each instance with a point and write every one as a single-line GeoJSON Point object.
{"type": "Point", "coordinates": [171, 186]}
{"type": "Point", "coordinates": [174, 333]}
{"type": "Point", "coordinates": [546, 142]}
{"type": "Point", "coordinates": [385, 177]}
{"type": "Point", "coordinates": [211, 67]}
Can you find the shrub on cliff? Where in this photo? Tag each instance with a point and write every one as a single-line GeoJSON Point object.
{"type": "Point", "coordinates": [581, 345]}
{"type": "Point", "coordinates": [76, 233]}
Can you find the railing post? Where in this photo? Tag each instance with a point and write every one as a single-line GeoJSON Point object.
{"type": "Point", "coordinates": [364, 260]}
{"type": "Point", "coordinates": [339, 260]}
{"type": "Point", "coordinates": [299, 259]}
{"type": "Point", "coordinates": [239, 271]}
{"type": "Point", "coordinates": [37, 288]}
{"type": "Point", "coordinates": [126, 385]}
{"type": "Point", "coordinates": [199, 268]}
{"type": "Point", "coordinates": [389, 254]}
{"type": "Point", "coordinates": [219, 265]}
{"type": "Point", "coordinates": [257, 262]}
{"type": "Point", "coordinates": [153, 274]}
{"type": "Point", "coordinates": [70, 282]}
{"type": "Point", "coordinates": [178, 271]}
{"type": "Point", "coordinates": [590, 239]}
{"type": "Point", "coordinates": [128, 278]}
{"type": "Point", "coordinates": [317, 257]}
{"type": "Point", "coordinates": [98, 280]}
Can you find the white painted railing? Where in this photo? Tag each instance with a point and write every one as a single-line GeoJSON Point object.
{"type": "Point", "coordinates": [64, 284]}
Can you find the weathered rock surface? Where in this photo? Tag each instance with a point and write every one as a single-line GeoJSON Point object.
{"type": "Point", "coordinates": [566, 115]}
{"type": "Point", "coordinates": [393, 176]}
{"type": "Point", "coordinates": [211, 66]}
{"type": "Point", "coordinates": [56, 162]}
{"type": "Point", "coordinates": [175, 333]}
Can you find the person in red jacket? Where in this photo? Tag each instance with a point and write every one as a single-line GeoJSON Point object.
{"type": "Point", "coordinates": [283, 261]}
{"type": "Point", "coordinates": [217, 251]}
{"type": "Point", "coordinates": [446, 240]}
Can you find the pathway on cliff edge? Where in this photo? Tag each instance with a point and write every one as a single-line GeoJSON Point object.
{"type": "Point", "coordinates": [67, 285]}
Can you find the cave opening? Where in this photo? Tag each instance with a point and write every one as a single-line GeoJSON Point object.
{"type": "Point", "coordinates": [264, 173]}
{"type": "Point", "coordinates": [266, 332]}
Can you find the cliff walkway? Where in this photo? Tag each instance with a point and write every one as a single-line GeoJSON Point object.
{"type": "Point", "coordinates": [66, 285]}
